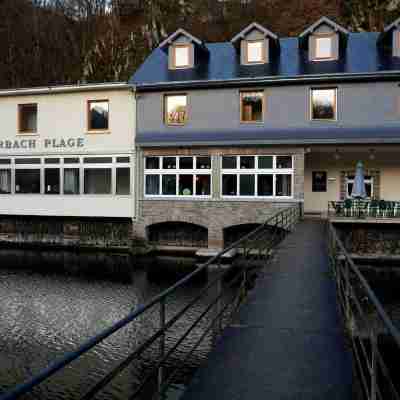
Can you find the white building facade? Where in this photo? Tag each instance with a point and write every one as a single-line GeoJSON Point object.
{"type": "Point", "coordinates": [68, 151]}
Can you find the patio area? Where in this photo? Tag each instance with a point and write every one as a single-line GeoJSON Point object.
{"type": "Point", "coordinates": [364, 209]}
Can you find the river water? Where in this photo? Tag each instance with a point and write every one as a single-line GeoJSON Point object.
{"type": "Point", "coordinates": [47, 309]}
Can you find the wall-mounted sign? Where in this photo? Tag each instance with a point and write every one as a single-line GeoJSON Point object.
{"type": "Point", "coordinates": [32, 144]}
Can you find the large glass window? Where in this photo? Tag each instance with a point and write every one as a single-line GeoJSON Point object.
{"type": "Point", "coordinates": [98, 115]}
{"type": "Point", "coordinates": [52, 181]}
{"type": "Point", "coordinates": [5, 181]}
{"type": "Point", "coordinates": [175, 109]}
{"type": "Point", "coordinates": [27, 181]}
{"type": "Point", "coordinates": [71, 181]}
{"type": "Point", "coordinates": [252, 106]}
{"type": "Point", "coordinates": [257, 176]}
{"type": "Point", "coordinates": [123, 181]}
{"type": "Point", "coordinates": [97, 181]}
{"type": "Point", "coordinates": [255, 52]}
{"type": "Point", "coordinates": [178, 176]}
{"type": "Point", "coordinates": [27, 118]}
{"type": "Point", "coordinates": [324, 104]}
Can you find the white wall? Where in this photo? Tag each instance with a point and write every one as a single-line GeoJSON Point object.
{"type": "Point", "coordinates": [64, 116]}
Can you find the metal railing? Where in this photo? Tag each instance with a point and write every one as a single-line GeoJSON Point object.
{"type": "Point", "coordinates": [366, 322]}
{"type": "Point", "coordinates": [215, 304]}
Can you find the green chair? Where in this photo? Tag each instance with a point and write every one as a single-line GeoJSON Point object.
{"type": "Point", "coordinates": [348, 207]}
{"type": "Point", "coordinates": [373, 208]}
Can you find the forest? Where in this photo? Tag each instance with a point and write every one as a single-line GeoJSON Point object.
{"type": "Point", "coordinates": [50, 42]}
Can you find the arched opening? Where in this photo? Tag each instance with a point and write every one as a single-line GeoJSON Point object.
{"type": "Point", "coordinates": [182, 234]}
{"type": "Point", "coordinates": [236, 232]}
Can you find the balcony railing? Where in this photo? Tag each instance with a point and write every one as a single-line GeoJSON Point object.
{"type": "Point", "coordinates": [350, 208]}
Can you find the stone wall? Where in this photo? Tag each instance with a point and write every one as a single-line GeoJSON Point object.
{"type": "Point", "coordinates": [369, 239]}
{"type": "Point", "coordinates": [216, 213]}
{"type": "Point", "coordinates": [66, 232]}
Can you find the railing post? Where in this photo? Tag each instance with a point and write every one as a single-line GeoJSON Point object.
{"type": "Point", "coordinates": [347, 289]}
{"type": "Point", "coordinates": [160, 378]}
{"type": "Point", "coordinates": [374, 349]}
{"type": "Point", "coordinates": [219, 302]}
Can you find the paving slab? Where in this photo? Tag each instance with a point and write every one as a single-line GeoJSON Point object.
{"type": "Point", "coordinates": [287, 342]}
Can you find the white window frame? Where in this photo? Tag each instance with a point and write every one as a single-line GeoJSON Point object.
{"type": "Point", "coordinates": [336, 117]}
{"type": "Point", "coordinates": [330, 37]}
{"type": "Point", "coordinates": [177, 172]}
{"type": "Point", "coordinates": [274, 171]}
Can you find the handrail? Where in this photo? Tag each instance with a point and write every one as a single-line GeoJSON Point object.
{"type": "Point", "coordinates": [372, 297]}
{"type": "Point", "coordinates": [283, 220]}
{"type": "Point", "coordinates": [369, 360]}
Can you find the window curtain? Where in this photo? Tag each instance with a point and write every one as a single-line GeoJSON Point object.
{"type": "Point", "coordinates": [5, 181]}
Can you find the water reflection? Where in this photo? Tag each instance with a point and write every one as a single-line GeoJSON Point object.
{"type": "Point", "coordinates": [47, 309]}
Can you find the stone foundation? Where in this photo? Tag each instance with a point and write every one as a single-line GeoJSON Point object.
{"type": "Point", "coordinates": [66, 232]}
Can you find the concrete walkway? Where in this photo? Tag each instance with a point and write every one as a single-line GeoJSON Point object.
{"type": "Point", "coordinates": [288, 342]}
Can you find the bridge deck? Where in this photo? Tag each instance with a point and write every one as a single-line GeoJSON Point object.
{"type": "Point", "coordinates": [287, 342]}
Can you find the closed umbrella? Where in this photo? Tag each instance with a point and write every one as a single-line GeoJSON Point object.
{"type": "Point", "coordinates": [359, 191]}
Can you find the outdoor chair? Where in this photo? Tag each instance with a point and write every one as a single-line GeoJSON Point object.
{"type": "Point", "coordinates": [373, 208]}
{"type": "Point", "coordinates": [396, 210]}
{"type": "Point", "coordinates": [382, 208]}
{"type": "Point", "coordinates": [348, 208]}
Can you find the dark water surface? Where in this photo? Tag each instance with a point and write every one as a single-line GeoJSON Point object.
{"type": "Point", "coordinates": [47, 309]}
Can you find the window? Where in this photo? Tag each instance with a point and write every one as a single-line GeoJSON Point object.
{"type": "Point", "coordinates": [27, 181]}
{"type": "Point", "coordinates": [71, 181]}
{"type": "Point", "coordinates": [52, 181]}
{"type": "Point", "coordinates": [51, 176]}
{"type": "Point", "coordinates": [178, 176]}
{"type": "Point", "coordinates": [123, 181]}
{"type": "Point", "coordinates": [97, 181]}
{"type": "Point", "coordinates": [27, 118]}
{"type": "Point", "coordinates": [324, 104]}
{"type": "Point", "coordinates": [251, 106]}
{"type": "Point", "coordinates": [323, 47]}
{"type": "Point", "coordinates": [255, 52]}
{"type": "Point", "coordinates": [257, 176]}
{"type": "Point", "coordinates": [181, 56]}
{"type": "Point", "coordinates": [98, 115]}
{"type": "Point", "coordinates": [5, 181]}
{"type": "Point", "coordinates": [369, 185]}
{"type": "Point", "coordinates": [319, 180]}
{"type": "Point", "coordinates": [175, 108]}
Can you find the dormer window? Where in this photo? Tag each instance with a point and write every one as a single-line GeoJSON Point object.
{"type": "Point", "coordinates": [256, 45]}
{"type": "Point", "coordinates": [323, 48]}
{"type": "Point", "coordinates": [181, 56]}
{"type": "Point", "coordinates": [184, 51]}
{"type": "Point", "coordinates": [324, 40]}
{"type": "Point", "coordinates": [255, 52]}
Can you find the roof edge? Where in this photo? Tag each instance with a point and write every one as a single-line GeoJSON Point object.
{"type": "Point", "coordinates": [177, 33]}
{"type": "Point", "coordinates": [254, 25]}
{"type": "Point", "coordinates": [66, 89]}
{"type": "Point", "coordinates": [321, 21]}
{"type": "Point", "coordinates": [288, 79]}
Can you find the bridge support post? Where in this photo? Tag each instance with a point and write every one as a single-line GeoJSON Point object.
{"type": "Point", "coordinates": [374, 344]}
{"type": "Point", "coordinates": [160, 378]}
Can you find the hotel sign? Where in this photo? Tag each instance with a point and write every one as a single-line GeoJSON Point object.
{"type": "Point", "coordinates": [32, 144]}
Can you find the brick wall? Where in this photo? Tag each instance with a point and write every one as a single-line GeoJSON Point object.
{"type": "Point", "coordinates": [215, 214]}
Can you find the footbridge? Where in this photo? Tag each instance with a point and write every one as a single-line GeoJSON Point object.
{"type": "Point", "coordinates": [283, 339]}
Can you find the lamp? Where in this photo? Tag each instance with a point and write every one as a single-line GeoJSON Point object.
{"type": "Point", "coordinates": [372, 154]}
{"type": "Point", "coordinates": [337, 155]}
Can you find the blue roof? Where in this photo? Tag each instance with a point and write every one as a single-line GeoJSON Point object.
{"type": "Point", "coordinates": [362, 56]}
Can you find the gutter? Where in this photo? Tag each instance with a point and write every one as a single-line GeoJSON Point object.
{"type": "Point", "coordinates": [299, 142]}
{"type": "Point", "coordinates": [271, 80]}
{"type": "Point", "coordinates": [67, 89]}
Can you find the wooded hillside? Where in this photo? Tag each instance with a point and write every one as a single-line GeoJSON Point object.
{"type": "Point", "coordinates": [46, 42]}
